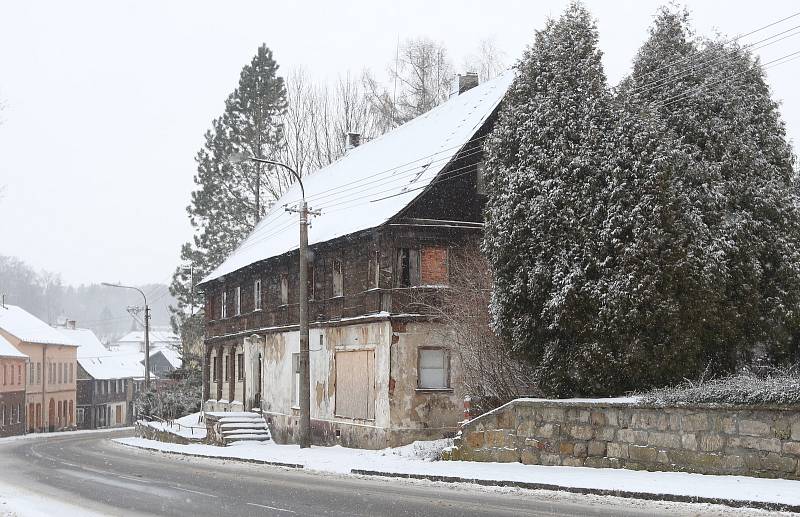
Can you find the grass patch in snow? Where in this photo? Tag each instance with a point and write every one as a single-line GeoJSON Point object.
{"type": "Point", "coordinates": [751, 387]}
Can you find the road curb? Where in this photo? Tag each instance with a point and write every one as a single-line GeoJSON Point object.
{"type": "Point", "coordinates": [230, 458]}
{"type": "Point", "coordinates": [735, 503]}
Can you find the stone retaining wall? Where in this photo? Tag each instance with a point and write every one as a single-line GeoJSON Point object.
{"type": "Point", "coordinates": [619, 433]}
{"type": "Point", "coordinates": [143, 430]}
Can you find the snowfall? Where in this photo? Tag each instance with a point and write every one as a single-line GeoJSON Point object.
{"type": "Point", "coordinates": [420, 459]}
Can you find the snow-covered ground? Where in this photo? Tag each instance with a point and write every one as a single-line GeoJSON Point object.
{"type": "Point", "coordinates": [31, 436]}
{"type": "Point", "coordinates": [417, 459]}
{"type": "Point", "coordinates": [188, 426]}
{"type": "Point", "coordinates": [16, 502]}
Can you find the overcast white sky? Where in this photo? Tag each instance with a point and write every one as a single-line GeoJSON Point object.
{"type": "Point", "coordinates": [106, 103]}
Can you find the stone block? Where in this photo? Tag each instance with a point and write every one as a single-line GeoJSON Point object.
{"type": "Point", "coordinates": [550, 459]}
{"type": "Point", "coordinates": [689, 441]}
{"type": "Point", "coordinates": [581, 432]}
{"type": "Point", "coordinates": [597, 419]}
{"type": "Point", "coordinates": [791, 448]}
{"type": "Point", "coordinates": [570, 461]}
{"type": "Point", "coordinates": [566, 448]}
{"type": "Point", "coordinates": [580, 450]}
{"type": "Point", "coordinates": [612, 417]}
{"type": "Point", "coordinates": [474, 440]}
{"type": "Point", "coordinates": [778, 463]}
{"type": "Point", "coordinates": [497, 438]}
{"type": "Point", "coordinates": [550, 414]}
{"type": "Point", "coordinates": [507, 455]}
{"type": "Point", "coordinates": [529, 456]}
{"type": "Point", "coordinates": [711, 442]}
{"type": "Point", "coordinates": [534, 443]}
{"type": "Point", "coordinates": [674, 421]}
{"type": "Point", "coordinates": [599, 462]}
{"type": "Point", "coordinates": [605, 434]}
{"type": "Point", "coordinates": [650, 420]}
{"type": "Point", "coordinates": [632, 436]}
{"type": "Point", "coordinates": [505, 419]}
{"type": "Point", "coordinates": [662, 457]}
{"type": "Point", "coordinates": [546, 431]}
{"type": "Point", "coordinates": [796, 430]}
{"type": "Point", "coordinates": [781, 429]}
{"type": "Point", "coordinates": [659, 439]}
{"type": "Point", "coordinates": [642, 453]}
{"type": "Point", "coordinates": [578, 415]}
{"type": "Point", "coordinates": [727, 425]}
{"type": "Point", "coordinates": [751, 442]}
{"type": "Point", "coordinates": [596, 448]}
{"type": "Point", "coordinates": [695, 422]}
{"type": "Point", "coordinates": [754, 428]}
{"type": "Point", "coordinates": [617, 450]}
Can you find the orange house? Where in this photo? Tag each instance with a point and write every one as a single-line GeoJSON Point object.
{"type": "Point", "coordinates": [51, 370]}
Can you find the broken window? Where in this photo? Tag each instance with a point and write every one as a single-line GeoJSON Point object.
{"type": "Point", "coordinates": [338, 279]}
{"type": "Point", "coordinates": [408, 267]}
{"type": "Point", "coordinates": [295, 380]}
{"type": "Point", "coordinates": [284, 288]}
{"type": "Point", "coordinates": [257, 295]}
{"type": "Point", "coordinates": [374, 280]}
{"type": "Point", "coordinates": [355, 384]}
{"type": "Point", "coordinates": [434, 368]}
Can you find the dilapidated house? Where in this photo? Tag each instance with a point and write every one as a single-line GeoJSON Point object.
{"type": "Point", "coordinates": [394, 212]}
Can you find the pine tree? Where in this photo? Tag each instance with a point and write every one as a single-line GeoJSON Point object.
{"type": "Point", "coordinates": [547, 174]}
{"type": "Point", "coordinates": [230, 198]}
{"type": "Point", "coordinates": [715, 101]}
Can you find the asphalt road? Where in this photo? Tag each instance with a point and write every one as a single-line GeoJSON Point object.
{"type": "Point", "coordinates": [90, 471]}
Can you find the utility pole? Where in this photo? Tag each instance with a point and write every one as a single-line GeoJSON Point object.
{"type": "Point", "coordinates": [305, 370]}
{"type": "Point", "coordinates": [146, 330]}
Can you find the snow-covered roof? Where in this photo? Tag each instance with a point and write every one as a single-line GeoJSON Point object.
{"type": "Point", "coordinates": [369, 177]}
{"type": "Point", "coordinates": [27, 327]}
{"type": "Point", "coordinates": [171, 356]}
{"type": "Point", "coordinates": [156, 336]}
{"type": "Point", "coordinates": [113, 365]}
{"type": "Point", "coordinates": [88, 344]}
{"type": "Point", "coordinates": [8, 350]}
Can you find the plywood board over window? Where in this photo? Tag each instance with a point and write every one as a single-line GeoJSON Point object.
{"type": "Point", "coordinates": [355, 384]}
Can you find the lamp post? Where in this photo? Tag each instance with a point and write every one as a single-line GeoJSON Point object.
{"type": "Point", "coordinates": [146, 330]}
{"type": "Point", "coordinates": [305, 376]}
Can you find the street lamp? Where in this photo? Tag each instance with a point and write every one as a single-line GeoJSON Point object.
{"type": "Point", "coordinates": [146, 330]}
{"type": "Point", "coordinates": [305, 377]}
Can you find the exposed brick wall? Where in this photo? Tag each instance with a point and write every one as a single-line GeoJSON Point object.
{"type": "Point", "coordinates": [434, 266]}
{"type": "Point", "coordinates": [708, 439]}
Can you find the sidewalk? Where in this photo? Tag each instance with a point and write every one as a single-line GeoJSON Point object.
{"type": "Point", "coordinates": [416, 461]}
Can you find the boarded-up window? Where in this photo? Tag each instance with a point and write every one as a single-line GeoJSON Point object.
{"type": "Point", "coordinates": [408, 267]}
{"type": "Point", "coordinates": [284, 288]}
{"type": "Point", "coordinates": [434, 368]}
{"type": "Point", "coordinates": [374, 280]}
{"type": "Point", "coordinates": [355, 384]}
{"type": "Point", "coordinates": [338, 278]}
{"type": "Point", "coordinates": [434, 265]}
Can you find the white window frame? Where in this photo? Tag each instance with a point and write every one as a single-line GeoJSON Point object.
{"type": "Point", "coordinates": [257, 300]}
{"type": "Point", "coordinates": [237, 301]}
{"type": "Point", "coordinates": [423, 378]}
{"type": "Point", "coordinates": [223, 313]}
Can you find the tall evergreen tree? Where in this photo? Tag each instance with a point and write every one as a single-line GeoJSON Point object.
{"type": "Point", "coordinates": [715, 101]}
{"type": "Point", "coordinates": [547, 173]}
{"type": "Point", "coordinates": [231, 198]}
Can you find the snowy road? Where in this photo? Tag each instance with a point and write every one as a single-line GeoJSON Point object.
{"type": "Point", "coordinates": [86, 473]}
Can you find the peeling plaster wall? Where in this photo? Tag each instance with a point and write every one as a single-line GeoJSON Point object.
{"type": "Point", "coordinates": [421, 414]}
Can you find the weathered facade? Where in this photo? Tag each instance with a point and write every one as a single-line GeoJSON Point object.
{"type": "Point", "coordinates": [13, 370]}
{"type": "Point", "coordinates": [50, 380]}
{"type": "Point", "coordinates": [382, 370]}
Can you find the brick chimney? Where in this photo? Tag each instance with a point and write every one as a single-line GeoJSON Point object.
{"type": "Point", "coordinates": [71, 324]}
{"type": "Point", "coordinates": [462, 83]}
{"type": "Point", "coordinates": [352, 141]}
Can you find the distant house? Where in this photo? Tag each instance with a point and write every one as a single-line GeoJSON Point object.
{"type": "Point", "coordinates": [135, 342]}
{"type": "Point", "coordinates": [164, 361]}
{"type": "Point", "coordinates": [13, 372]}
{"type": "Point", "coordinates": [50, 380]}
{"type": "Point", "coordinates": [382, 372]}
{"type": "Point", "coordinates": [108, 381]}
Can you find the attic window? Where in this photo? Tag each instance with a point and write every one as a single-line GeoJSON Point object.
{"type": "Point", "coordinates": [408, 267]}
{"type": "Point", "coordinates": [224, 310]}
{"type": "Point", "coordinates": [238, 301]}
{"type": "Point", "coordinates": [284, 288]}
{"type": "Point", "coordinates": [374, 269]}
{"type": "Point", "coordinates": [338, 277]}
{"type": "Point", "coordinates": [257, 295]}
